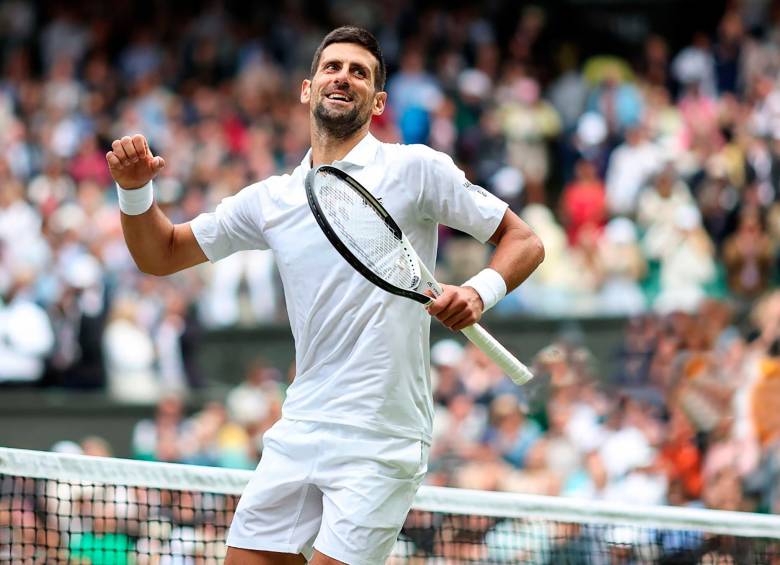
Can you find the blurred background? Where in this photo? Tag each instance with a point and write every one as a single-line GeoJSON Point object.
{"type": "Point", "coordinates": [641, 140]}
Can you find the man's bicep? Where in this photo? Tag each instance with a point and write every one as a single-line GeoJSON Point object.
{"type": "Point", "coordinates": [510, 221]}
{"type": "Point", "coordinates": [186, 252]}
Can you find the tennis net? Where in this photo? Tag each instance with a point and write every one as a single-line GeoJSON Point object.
{"type": "Point", "coordinates": [57, 508]}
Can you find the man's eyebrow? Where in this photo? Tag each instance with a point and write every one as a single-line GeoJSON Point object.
{"type": "Point", "coordinates": [352, 64]}
{"type": "Point", "coordinates": [329, 61]}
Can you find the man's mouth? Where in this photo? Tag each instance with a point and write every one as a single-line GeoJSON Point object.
{"type": "Point", "coordinates": [339, 96]}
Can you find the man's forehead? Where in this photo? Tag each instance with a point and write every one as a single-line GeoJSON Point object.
{"type": "Point", "coordinates": [348, 51]}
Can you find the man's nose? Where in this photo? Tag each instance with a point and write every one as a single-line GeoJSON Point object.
{"type": "Point", "coordinates": [341, 77]}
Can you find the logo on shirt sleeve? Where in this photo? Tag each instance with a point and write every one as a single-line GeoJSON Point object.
{"type": "Point", "coordinates": [476, 189]}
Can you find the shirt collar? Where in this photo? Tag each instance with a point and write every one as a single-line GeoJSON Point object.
{"type": "Point", "coordinates": [361, 155]}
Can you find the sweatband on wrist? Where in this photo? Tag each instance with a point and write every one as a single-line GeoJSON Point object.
{"type": "Point", "coordinates": [490, 286]}
{"type": "Point", "coordinates": [137, 200]}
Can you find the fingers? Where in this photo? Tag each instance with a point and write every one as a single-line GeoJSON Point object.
{"type": "Point", "coordinates": [458, 318]}
{"type": "Point", "coordinates": [456, 308]}
{"type": "Point", "coordinates": [129, 150]}
{"type": "Point", "coordinates": [119, 151]}
{"type": "Point", "coordinates": [127, 145]}
{"type": "Point", "coordinates": [131, 162]}
{"type": "Point", "coordinates": [440, 304]}
{"type": "Point", "coordinates": [157, 164]}
{"type": "Point", "coordinates": [138, 143]}
{"type": "Point", "coordinates": [465, 320]}
{"type": "Point", "coordinates": [113, 160]}
{"type": "Point", "coordinates": [147, 151]}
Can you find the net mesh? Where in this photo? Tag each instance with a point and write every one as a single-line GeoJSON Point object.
{"type": "Point", "coordinates": [72, 509]}
{"type": "Point", "coordinates": [363, 231]}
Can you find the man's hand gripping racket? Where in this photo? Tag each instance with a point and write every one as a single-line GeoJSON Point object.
{"type": "Point", "coordinates": [370, 240]}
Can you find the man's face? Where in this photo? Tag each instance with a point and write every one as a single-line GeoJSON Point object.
{"type": "Point", "coordinates": [341, 93]}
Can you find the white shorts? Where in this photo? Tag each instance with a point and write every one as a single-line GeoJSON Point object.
{"type": "Point", "coordinates": [341, 490]}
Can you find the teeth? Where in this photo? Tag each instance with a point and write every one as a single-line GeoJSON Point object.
{"type": "Point", "coordinates": [338, 97]}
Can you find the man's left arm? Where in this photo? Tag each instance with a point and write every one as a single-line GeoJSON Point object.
{"type": "Point", "coordinates": [518, 252]}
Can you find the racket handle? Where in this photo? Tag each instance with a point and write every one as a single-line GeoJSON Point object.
{"type": "Point", "coordinates": [513, 368]}
{"type": "Point", "coordinates": [477, 335]}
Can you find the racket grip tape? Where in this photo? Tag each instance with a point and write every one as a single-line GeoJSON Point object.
{"type": "Point", "coordinates": [513, 368]}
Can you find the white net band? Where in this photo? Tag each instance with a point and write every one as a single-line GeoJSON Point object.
{"type": "Point", "coordinates": [168, 476]}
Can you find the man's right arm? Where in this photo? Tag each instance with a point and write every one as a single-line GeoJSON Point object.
{"type": "Point", "coordinates": [157, 246]}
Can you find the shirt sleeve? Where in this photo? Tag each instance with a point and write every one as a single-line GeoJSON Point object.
{"type": "Point", "coordinates": [447, 197]}
{"type": "Point", "coordinates": [235, 225]}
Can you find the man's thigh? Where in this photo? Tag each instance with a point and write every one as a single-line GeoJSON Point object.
{"type": "Point", "coordinates": [349, 488]}
{"type": "Point", "coordinates": [368, 482]}
{"type": "Point", "coordinates": [239, 556]}
{"type": "Point", "coordinates": [280, 509]}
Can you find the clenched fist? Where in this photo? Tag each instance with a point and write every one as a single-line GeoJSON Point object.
{"type": "Point", "coordinates": [131, 162]}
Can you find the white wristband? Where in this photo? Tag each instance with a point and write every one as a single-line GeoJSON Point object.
{"type": "Point", "coordinates": [135, 201]}
{"type": "Point", "coordinates": [490, 286]}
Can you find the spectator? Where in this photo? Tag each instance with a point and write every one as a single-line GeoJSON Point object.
{"type": "Point", "coordinates": [164, 438]}
{"type": "Point", "coordinates": [546, 291]}
{"type": "Point", "coordinates": [130, 356]}
{"type": "Point", "coordinates": [222, 300]}
{"type": "Point", "coordinates": [96, 446]}
{"type": "Point", "coordinates": [583, 201]}
{"type": "Point", "coordinates": [747, 256]}
{"type": "Point", "coordinates": [658, 204]}
{"type": "Point", "coordinates": [511, 434]}
{"type": "Point", "coordinates": [26, 336]}
{"type": "Point", "coordinates": [624, 267]}
{"type": "Point", "coordinates": [255, 404]}
{"type": "Point", "coordinates": [630, 166]}
{"type": "Point", "coordinates": [21, 241]}
{"type": "Point", "coordinates": [687, 263]}
{"type": "Point", "coordinates": [615, 97]}
{"type": "Point", "coordinates": [586, 271]}
{"type": "Point", "coordinates": [682, 459]}
{"type": "Point", "coordinates": [629, 459]}
{"type": "Point", "coordinates": [568, 92]}
{"type": "Point", "coordinates": [530, 123]}
{"type": "Point", "coordinates": [447, 359]}
{"type": "Point", "coordinates": [414, 95]}
{"type": "Point", "coordinates": [695, 64]}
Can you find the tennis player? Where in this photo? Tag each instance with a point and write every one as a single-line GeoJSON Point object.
{"type": "Point", "coordinates": [340, 469]}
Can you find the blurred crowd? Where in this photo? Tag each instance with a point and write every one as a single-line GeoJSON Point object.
{"type": "Point", "coordinates": [654, 183]}
{"type": "Point", "coordinates": [653, 180]}
{"type": "Point", "coordinates": [687, 416]}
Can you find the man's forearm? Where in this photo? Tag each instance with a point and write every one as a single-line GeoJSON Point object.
{"type": "Point", "coordinates": [149, 237]}
{"type": "Point", "coordinates": [159, 247]}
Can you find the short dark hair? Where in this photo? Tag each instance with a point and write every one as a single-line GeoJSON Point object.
{"type": "Point", "coordinates": [358, 36]}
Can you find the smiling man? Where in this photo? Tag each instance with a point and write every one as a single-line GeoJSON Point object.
{"type": "Point", "coordinates": [340, 470]}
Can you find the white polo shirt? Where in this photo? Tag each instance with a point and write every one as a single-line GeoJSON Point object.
{"type": "Point", "coordinates": [361, 353]}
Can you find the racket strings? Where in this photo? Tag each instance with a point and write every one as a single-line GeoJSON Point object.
{"type": "Point", "coordinates": [364, 232]}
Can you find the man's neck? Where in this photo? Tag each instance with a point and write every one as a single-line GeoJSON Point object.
{"type": "Point", "coordinates": [325, 148]}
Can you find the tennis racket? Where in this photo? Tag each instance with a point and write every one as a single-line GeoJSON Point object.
{"type": "Point", "coordinates": [365, 234]}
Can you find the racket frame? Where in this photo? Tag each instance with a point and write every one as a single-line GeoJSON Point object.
{"type": "Point", "coordinates": [514, 368]}
{"type": "Point", "coordinates": [345, 252]}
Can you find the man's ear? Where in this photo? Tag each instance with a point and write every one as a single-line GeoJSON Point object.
{"type": "Point", "coordinates": [380, 98]}
{"type": "Point", "coordinates": [305, 91]}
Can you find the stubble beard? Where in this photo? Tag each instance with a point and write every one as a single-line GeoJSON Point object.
{"type": "Point", "coordinates": [341, 125]}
